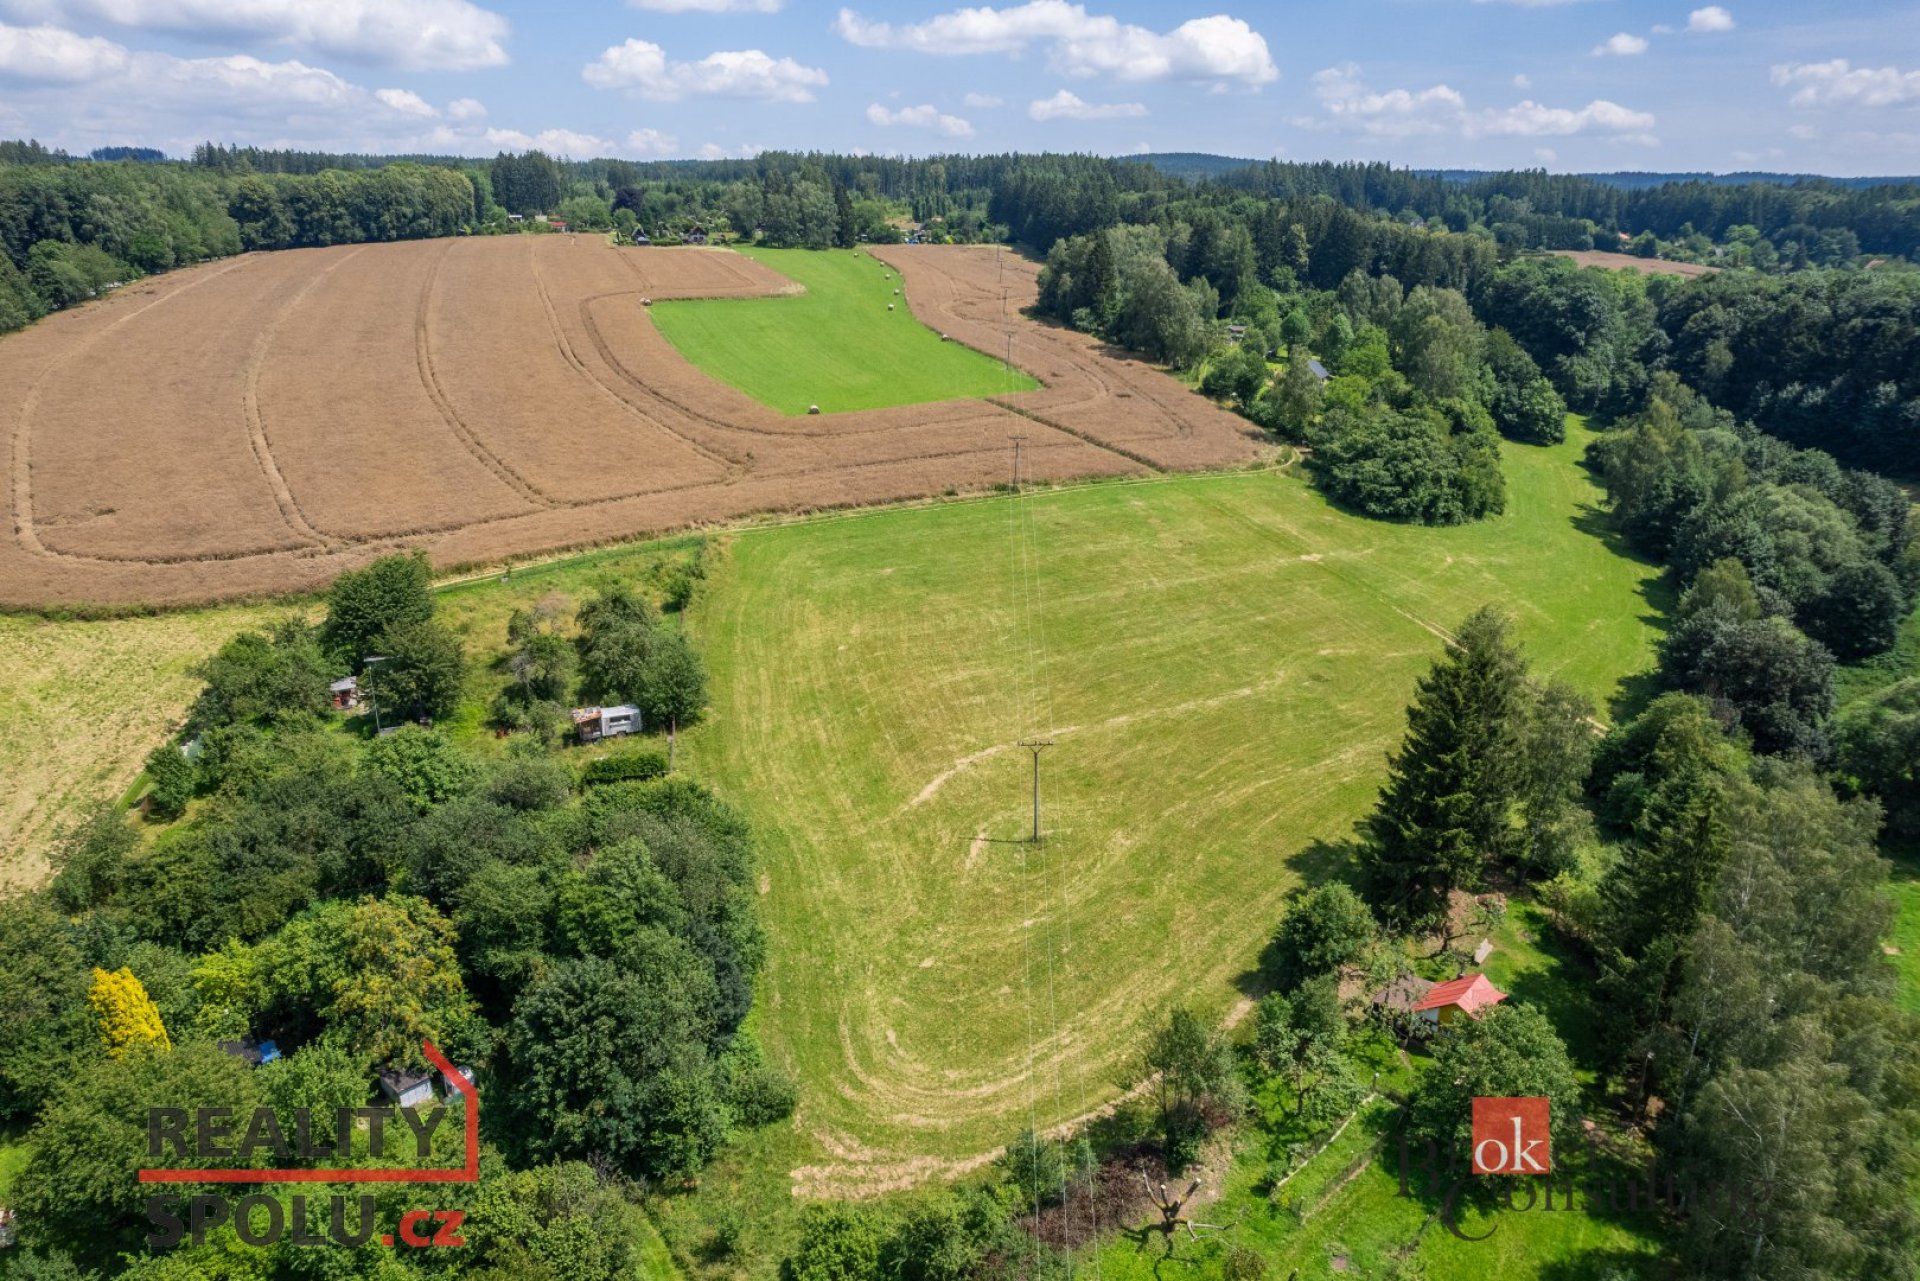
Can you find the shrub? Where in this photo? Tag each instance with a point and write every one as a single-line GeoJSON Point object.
{"type": "Point", "coordinates": [630, 765]}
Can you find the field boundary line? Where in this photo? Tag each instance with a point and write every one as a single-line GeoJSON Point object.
{"type": "Point", "coordinates": [430, 380]}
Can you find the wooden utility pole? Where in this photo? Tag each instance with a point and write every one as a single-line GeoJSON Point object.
{"type": "Point", "coordinates": [1036, 746]}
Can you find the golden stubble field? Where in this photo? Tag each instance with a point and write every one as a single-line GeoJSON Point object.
{"type": "Point", "coordinates": [254, 426]}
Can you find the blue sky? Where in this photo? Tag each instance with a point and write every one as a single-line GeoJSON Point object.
{"type": "Point", "coordinates": [1580, 85]}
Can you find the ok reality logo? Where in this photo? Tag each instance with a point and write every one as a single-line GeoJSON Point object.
{"type": "Point", "coordinates": [1510, 1136]}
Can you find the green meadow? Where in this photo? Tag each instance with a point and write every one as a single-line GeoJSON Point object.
{"type": "Point", "coordinates": [836, 345]}
{"type": "Point", "coordinates": [1221, 663]}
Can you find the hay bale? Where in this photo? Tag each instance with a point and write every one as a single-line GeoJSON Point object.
{"type": "Point", "coordinates": [646, 302]}
{"type": "Point", "coordinates": [889, 306]}
{"type": "Point", "coordinates": [813, 409]}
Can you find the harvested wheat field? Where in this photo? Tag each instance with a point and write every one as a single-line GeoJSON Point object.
{"type": "Point", "coordinates": [252, 427]}
{"type": "Point", "coordinates": [1633, 262]}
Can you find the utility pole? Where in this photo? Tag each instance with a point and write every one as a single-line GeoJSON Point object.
{"type": "Point", "coordinates": [373, 695]}
{"type": "Point", "coordinates": [1016, 461]}
{"type": "Point", "coordinates": [1036, 746]}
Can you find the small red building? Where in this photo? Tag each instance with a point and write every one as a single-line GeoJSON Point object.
{"type": "Point", "coordinates": [1455, 999]}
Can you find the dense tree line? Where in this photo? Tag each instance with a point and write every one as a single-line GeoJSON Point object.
{"type": "Point", "coordinates": [584, 937]}
{"type": "Point", "coordinates": [68, 232]}
{"type": "Point", "coordinates": [1732, 905]}
{"type": "Point", "coordinates": [1783, 558]}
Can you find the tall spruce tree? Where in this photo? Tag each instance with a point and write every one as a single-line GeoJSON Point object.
{"type": "Point", "coordinates": [1446, 808]}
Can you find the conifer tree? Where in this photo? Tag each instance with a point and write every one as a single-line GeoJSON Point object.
{"type": "Point", "coordinates": [1447, 804]}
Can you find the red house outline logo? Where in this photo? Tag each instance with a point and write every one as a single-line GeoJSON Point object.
{"type": "Point", "coordinates": [1512, 1136]}
{"type": "Point", "coordinates": [468, 1173]}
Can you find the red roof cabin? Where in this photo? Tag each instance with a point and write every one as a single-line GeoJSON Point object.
{"type": "Point", "coordinates": [1456, 999]}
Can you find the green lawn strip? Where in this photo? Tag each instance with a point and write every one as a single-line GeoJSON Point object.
{"type": "Point", "coordinates": [837, 345]}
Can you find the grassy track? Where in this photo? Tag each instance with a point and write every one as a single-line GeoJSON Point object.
{"type": "Point", "coordinates": [1223, 662]}
{"type": "Point", "coordinates": [836, 345]}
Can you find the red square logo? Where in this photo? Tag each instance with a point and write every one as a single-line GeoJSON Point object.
{"type": "Point", "coordinates": [1510, 1136]}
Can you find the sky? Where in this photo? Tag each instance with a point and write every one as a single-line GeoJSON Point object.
{"type": "Point", "coordinates": [1568, 85]}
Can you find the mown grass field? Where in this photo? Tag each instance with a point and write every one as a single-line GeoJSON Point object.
{"type": "Point", "coordinates": [81, 705]}
{"type": "Point", "coordinates": [836, 345]}
{"type": "Point", "coordinates": [1222, 662]}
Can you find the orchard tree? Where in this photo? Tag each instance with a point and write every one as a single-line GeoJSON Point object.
{"type": "Point", "coordinates": [1193, 1068]}
{"type": "Point", "coordinates": [1324, 929]}
{"type": "Point", "coordinates": [673, 685]}
{"type": "Point", "coordinates": [1509, 1051]}
{"type": "Point", "coordinates": [422, 675]}
{"type": "Point", "coordinates": [611, 1056]}
{"type": "Point", "coordinates": [362, 604]}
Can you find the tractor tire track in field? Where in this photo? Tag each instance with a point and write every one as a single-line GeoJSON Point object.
{"type": "Point", "coordinates": [741, 458]}
{"type": "Point", "coordinates": [729, 468]}
{"type": "Point", "coordinates": [20, 468]}
{"type": "Point", "coordinates": [429, 379]}
{"type": "Point", "coordinates": [283, 496]}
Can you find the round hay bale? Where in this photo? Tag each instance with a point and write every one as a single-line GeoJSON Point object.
{"type": "Point", "coordinates": [646, 302]}
{"type": "Point", "coordinates": [813, 409]}
{"type": "Point", "coordinates": [896, 292]}
{"type": "Point", "coordinates": [889, 306]}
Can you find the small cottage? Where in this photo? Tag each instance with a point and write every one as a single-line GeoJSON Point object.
{"type": "Point", "coordinates": [408, 1088]}
{"type": "Point", "coordinates": [1447, 1003]}
{"type": "Point", "coordinates": [451, 1090]}
{"type": "Point", "coordinates": [1318, 370]}
{"type": "Point", "coordinates": [345, 693]}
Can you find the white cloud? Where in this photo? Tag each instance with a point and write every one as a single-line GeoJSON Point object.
{"type": "Point", "coordinates": [1840, 83]}
{"type": "Point", "coordinates": [1441, 109]}
{"type": "Point", "coordinates": [80, 93]}
{"type": "Point", "coordinates": [1081, 44]}
{"type": "Point", "coordinates": [1068, 106]}
{"type": "Point", "coordinates": [651, 142]}
{"type": "Point", "coordinates": [922, 117]}
{"type": "Point", "coordinates": [1711, 18]}
{"type": "Point", "coordinates": [558, 142]}
{"type": "Point", "coordinates": [406, 102]}
{"type": "Point", "coordinates": [1545, 155]}
{"type": "Point", "coordinates": [714, 151]}
{"type": "Point", "coordinates": [1395, 113]}
{"type": "Point", "coordinates": [708, 6]}
{"type": "Point", "coordinates": [440, 35]}
{"type": "Point", "coordinates": [1523, 81]}
{"type": "Point", "coordinates": [1532, 120]}
{"type": "Point", "coordinates": [982, 100]}
{"type": "Point", "coordinates": [644, 69]}
{"type": "Point", "coordinates": [48, 53]}
{"type": "Point", "coordinates": [1622, 45]}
